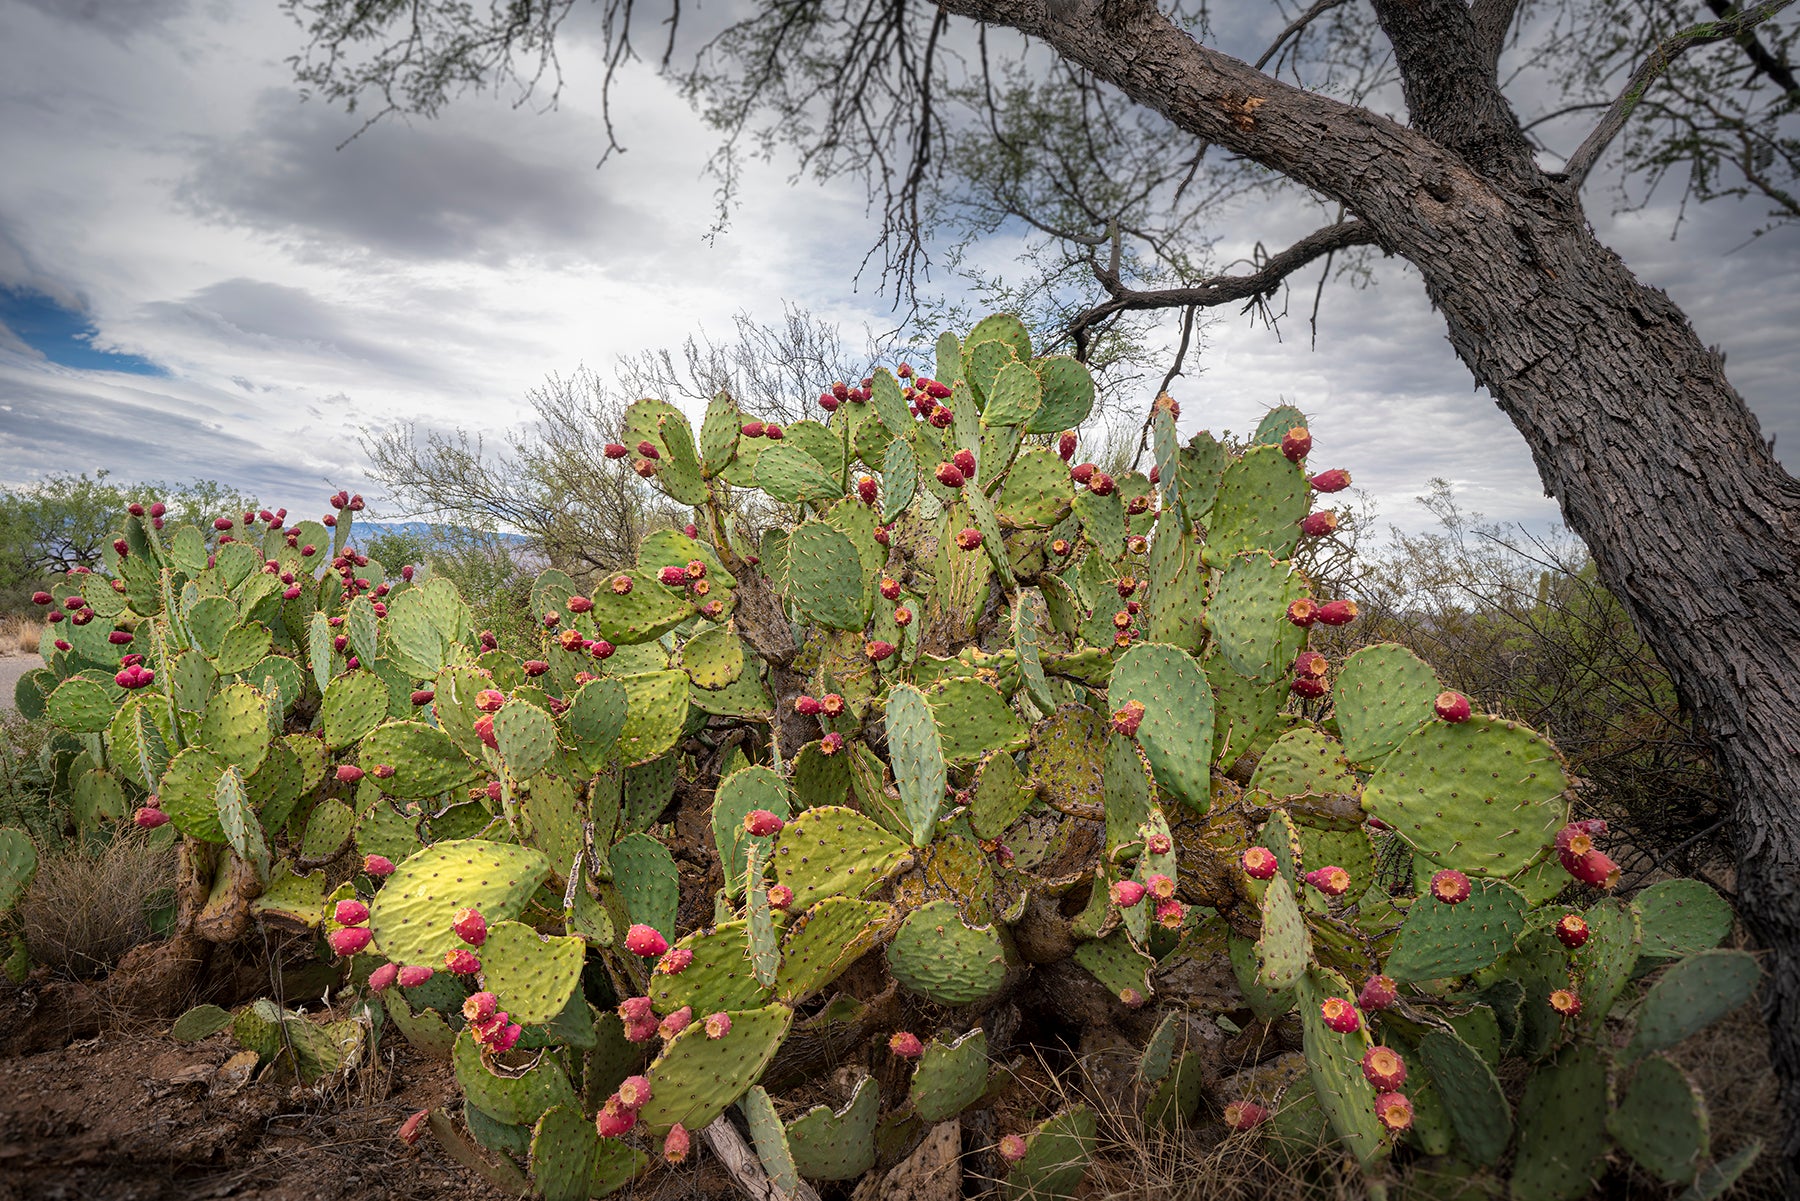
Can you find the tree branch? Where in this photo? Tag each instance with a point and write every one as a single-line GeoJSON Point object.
{"type": "Point", "coordinates": [1759, 54]}
{"type": "Point", "coordinates": [1220, 289]}
{"type": "Point", "coordinates": [1492, 20]}
{"type": "Point", "coordinates": [1581, 163]}
{"type": "Point", "coordinates": [1294, 28]}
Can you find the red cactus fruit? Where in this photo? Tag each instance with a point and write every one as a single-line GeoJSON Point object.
{"type": "Point", "coordinates": [479, 1007]}
{"type": "Point", "coordinates": [1333, 881]}
{"type": "Point", "coordinates": [717, 1025]}
{"type": "Point", "coordinates": [878, 650]}
{"type": "Point", "coordinates": [602, 649]}
{"type": "Point", "coordinates": [1578, 837]}
{"type": "Point", "coordinates": [634, 1092]}
{"type": "Point", "coordinates": [672, 576]}
{"type": "Point", "coordinates": [119, 637]}
{"type": "Point", "coordinates": [614, 1119]}
{"type": "Point", "coordinates": [1378, 993]}
{"type": "Point", "coordinates": [1102, 484]}
{"type": "Point", "coordinates": [413, 975]}
{"type": "Point", "coordinates": [423, 696]}
{"type": "Point", "coordinates": [349, 773]}
{"type": "Point", "coordinates": [760, 823]}
{"type": "Point", "coordinates": [831, 704]}
{"type": "Point", "coordinates": [535, 667]}
{"type": "Point", "coordinates": [495, 790]}
{"type": "Point", "coordinates": [470, 926]}
{"type": "Point", "coordinates": [1245, 1115]}
{"type": "Point", "coordinates": [1337, 612]}
{"type": "Point", "coordinates": [147, 818]}
{"type": "Point", "coordinates": [1594, 868]}
{"type": "Point", "coordinates": [1296, 444]}
{"type": "Point", "coordinates": [484, 730]}
{"type": "Point", "coordinates": [941, 418]}
{"type": "Point", "coordinates": [807, 705]}
{"type": "Point", "coordinates": [828, 402]}
{"type": "Point", "coordinates": [1450, 886]}
{"type": "Point", "coordinates": [903, 616]}
{"type": "Point", "coordinates": [1383, 1067]}
{"type": "Point", "coordinates": [1303, 612]}
{"type": "Point", "coordinates": [1061, 548]}
{"type": "Point", "coordinates": [383, 976]}
{"type": "Point", "coordinates": [648, 449]}
{"type": "Point", "coordinates": [1566, 1002]}
{"type": "Point", "coordinates": [780, 897]}
{"type": "Point", "coordinates": [866, 489]}
{"type": "Point", "coordinates": [1131, 998]}
{"type": "Point", "coordinates": [676, 1022]}
{"type": "Point", "coordinates": [1137, 544]}
{"type": "Point", "coordinates": [1170, 914]}
{"type": "Point", "coordinates": [1395, 1111]}
{"type": "Point", "coordinates": [1081, 473]}
{"type": "Point", "coordinates": [1260, 863]}
{"type": "Point", "coordinates": [1126, 720]}
{"type": "Point", "coordinates": [1571, 930]}
{"type": "Point", "coordinates": [772, 431]}
{"type": "Point", "coordinates": [490, 700]}
{"type": "Point", "coordinates": [350, 913]}
{"type": "Point", "coordinates": [1340, 1015]}
{"type": "Point", "coordinates": [1011, 1148]}
{"type": "Point", "coordinates": [1127, 893]}
{"type": "Point", "coordinates": [676, 1144]}
{"type": "Point", "coordinates": [349, 940]}
{"type": "Point", "coordinates": [1137, 504]}
{"type": "Point", "coordinates": [950, 475]}
{"type": "Point", "coordinates": [636, 1009]}
{"type": "Point", "coordinates": [1161, 887]}
{"type": "Point", "coordinates": [1335, 480]}
{"type": "Point", "coordinates": [645, 941]}
{"type": "Point", "coordinates": [751, 429]}
{"type": "Point", "coordinates": [461, 962]}
{"type": "Point", "coordinates": [413, 1128]}
{"type": "Point", "coordinates": [1065, 445]}
{"type": "Point", "coordinates": [906, 1045]}
{"type": "Point", "coordinates": [1159, 844]}
{"type": "Point", "coordinates": [1317, 525]}
{"type": "Point", "coordinates": [1452, 707]}
{"type": "Point", "coordinates": [831, 744]}
{"type": "Point", "coordinates": [968, 539]}
{"type": "Point", "coordinates": [881, 537]}
{"type": "Point", "coordinates": [41, 598]}
{"type": "Point", "coordinates": [621, 585]}
{"type": "Point", "coordinates": [133, 677]}
{"type": "Point", "coordinates": [965, 462]}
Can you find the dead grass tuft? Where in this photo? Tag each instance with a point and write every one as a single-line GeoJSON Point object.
{"type": "Point", "coordinates": [87, 907]}
{"type": "Point", "coordinates": [19, 635]}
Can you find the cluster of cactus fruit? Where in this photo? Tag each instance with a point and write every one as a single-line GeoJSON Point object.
{"type": "Point", "coordinates": [979, 710]}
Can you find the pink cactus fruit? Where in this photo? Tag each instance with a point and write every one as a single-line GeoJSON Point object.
{"type": "Point", "coordinates": [1260, 863]}
{"type": "Point", "coordinates": [1395, 1111]}
{"type": "Point", "coordinates": [1296, 444]}
{"type": "Point", "coordinates": [676, 1144]}
{"type": "Point", "coordinates": [645, 941]}
{"type": "Point", "coordinates": [614, 1119]}
{"type": "Point", "coordinates": [1170, 914]}
{"type": "Point", "coordinates": [718, 1025]}
{"type": "Point", "coordinates": [349, 940]}
{"type": "Point", "coordinates": [1571, 930]}
{"type": "Point", "coordinates": [480, 1007]}
{"type": "Point", "coordinates": [470, 926]}
{"type": "Point", "coordinates": [350, 913]}
{"type": "Point", "coordinates": [906, 1045]}
{"type": "Point", "coordinates": [1340, 1015]}
{"type": "Point", "coordinates": [382, 977]}
{"type": "Point", "coordinates": [1127, 719]}
{"type": "Point", "coordinates": [781, 897]}
{"type": "Point", "coordinates": [676, 1022]}
{"type": "Point", "coordinates": [1011, 1148]}
{"type": "Point", "coordinates": [379, 866]}
{"type": "Point", "coordinates": [1450, 886]}
{"type": "Point", "coordinates": [413, 975]}
{"type": "Point", "coordinates": [1127, 893]}
{"type": "Point", "coordinates": [413, 1127]}
{"type": "Point", "coordinates": [1245, 1115]}
{"type": "Point", "coordinates": [1566, 1001]}
{"type": "Point", "coordinates": [1383, 1067]}
{"type": "Point", "coordinates": [1332, 880]}
{"type": "Point", "coordinates": [461, 962]}
{"type": "Point", "coordinates": [634, 1092]}
{"type": "Point", "coordinates": [675, 961]}
{"type": "Point", "coordinates": [760, 823]}
{"type": "Point", "coordinates": [1452, 707]}
{"type": "Point", "coordinates": [1378, 993]}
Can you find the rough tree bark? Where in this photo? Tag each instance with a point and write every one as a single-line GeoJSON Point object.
{"type": "Point", "coordinates": [1652, 455]}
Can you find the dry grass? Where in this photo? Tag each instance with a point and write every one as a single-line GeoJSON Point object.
{"type": "Point", "coordinates": [19, 635]}
{"type": "Point", "coordinates": [86, 908]}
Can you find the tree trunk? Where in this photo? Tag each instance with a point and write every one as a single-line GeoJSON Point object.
{"type": "Point", "coordinates": [1652, 455]}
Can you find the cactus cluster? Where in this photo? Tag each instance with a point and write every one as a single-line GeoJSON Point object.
{"type": "Point", "coordinates": [976, 709]}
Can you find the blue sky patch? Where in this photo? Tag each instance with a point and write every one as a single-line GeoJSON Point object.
{"type": "Point", "coordinates": [64, 336]}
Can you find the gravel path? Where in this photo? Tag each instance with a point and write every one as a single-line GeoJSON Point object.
{"type": "Point", "coordinates": [11, 668]}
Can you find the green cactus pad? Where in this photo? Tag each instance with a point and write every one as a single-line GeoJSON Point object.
{"type": "Point", "coordinates": [1116, 964]}
{"type": "Point", "coordinates": [825, 576]}
{"type": "Point", "coordinates": [765, 951]}
{"type": "Point", "coordinates": [972, 719]}
{"type": "Point", "coordinates": [550, 817]}
{"type": "Point", "coordinates": [1662, 1123]}
{"type": "Point", "coordinates": [1470, 1094]}
{"type": "Point", "coordinates": [189, 789]}
{"type": "Point", "coordinates": [327, 826]}
{"type": "Point", "coordinates": [696, 1077]}
{"type": "Point", "coordinates": [713, 658]}
{"type": "Point", "coordinates": [1305, 761]}
{"type": "Point", "coordinates": [1176, 601]}
{"type": "Point", "coordinates": [414, 641]}
{"type": "Point", "coordinates": [1275, 425]}
{"type": "Point", "coordinates": [837, 1145]}
{"type": "Point", "coordinates": [1690, 996]}
{"type": "Point", "coordinates": [656, 710]}
{"type": "Point", "coordinates": [951, 1076]}
{"type": "Point", "coordinates": [533, 975]}
{"type": "Point", "coordinates": [769, 1137]}
{"type": "Point", "coordinates": [1335, 1061]}
{"type": "Point", "coordinates": [239, 822]}
{"type": "Point", "coordinates": [235, 726]}
{"type": "Point", "coordinates": [426, 762]}
{"type": "Point", "coordinates": [1562, 1135]}
{"type": "Point", "coordinates": [1604, 963]}
{"type": "Point", "coordinates": [1284, 948]}
{"type": "Point", "coordinates": [565, 1149]}
{"type": "Point", "coordinates": [411, 915]}
{"type": "Point", "coordinates": [1246, 712]}
{"type": "Point", "coordinates": [823, 943]}
{"type": "Point", "coordinates": [501, 1173]}
{"type": "Point", "coordinates": [1484, 795]}
{"type": "Point", "coordinates": [1056, 1158]}
{"type": "Point", "coordinates": [527, 738]}
{"type": "Point", "coordinates": [718, 979]}
{"type": "Point", "coordinates": [982, 362]}
{"type": "Point", "coordinates": [999, 795]}
{"type": "Point", "coordinates": [1440, 940]}
{"type": "Point", "coordinates": [648, 611]}
{"type": "Point", "coordinates": [834, 851]}
{"type": "Point", "coordinates": [202, 1021]}
{"type": "Point", "coordinates": [1037, 493]}
{"type": "Point", "coordinates": [646, 877]}
{"type": "Point", "coordinates": [719, 433]}
{"type": "Point", "coordinates": [792, 476]}
{"type": "Point", "coordinates": [424, 1029]}
{"type": "Point", "coordinates": [937, 955]}
{"type": "Point", "coordinates": [738, 795]}
{"type": "Point", "coordinates": [1068, 756]}
{"type": "Point", "coordinates": [1260, 502]}
{"type": "Point", "coordinates": [678, 473]}
{"type": "Point", "coordinates": [1102, 522]}
{"type": "Point", "coordinates": [1382, 694]}
{"type": "Point", "coordinates": [516, 1100]}
{"type": "Point", "coordinates": [1716, 1179]}
{"type": "Point", "coordinates": [1249, 616]}
{"type": "Point", "coordinates": [18, 865]}
{"type": "Point", "coordinates": [1068, 395]}
{"type": "Point", "coordinates": [1015, 395]}
{"type": "Point", "coordinates": [1177, 728]}
{"type": "Point", "coordinates": [1681, 917]}
{"type": "Point", "coordinates": [916, 750]}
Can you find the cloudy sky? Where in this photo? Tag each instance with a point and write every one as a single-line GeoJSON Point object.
{"type": "Point", "coordinates": [196, 281]}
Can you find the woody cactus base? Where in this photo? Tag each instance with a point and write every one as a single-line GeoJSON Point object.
{"type": "Point", "coordinates": [977, 712]}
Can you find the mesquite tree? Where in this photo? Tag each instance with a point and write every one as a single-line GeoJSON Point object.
{"type": "Point", "coordinates": [1635, 429]}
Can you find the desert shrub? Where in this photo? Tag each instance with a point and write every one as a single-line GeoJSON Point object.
{"type": "Point", "coordinates": [87, 906]}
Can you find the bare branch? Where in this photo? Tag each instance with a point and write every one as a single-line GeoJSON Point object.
{"type": "Point", "coordinates": [1299, 23]}
{"type": "Point", "coordinates": [1595, 144]}
{"type": "Point", "coordinates": [1492, 20]}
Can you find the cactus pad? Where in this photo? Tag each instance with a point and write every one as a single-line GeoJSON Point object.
{"type": "Point", "coordinates": [533, 975]}
{"type": "Point", "coordinates": [718, 979]}
{"type": "Point", "coordinates": [825, 941]}
{"type": "Point", "coordinates": [1691, 996]}
{"type": "Point", "coordinates": [951, 1076]}
{"type": "Point", "coordinates": [1336, 1064]}
{"type": "Point", "coordinates": [1604, 963]}
{"type": "Point", "coordinates": [840, 1145]}
{"type": "Point", "coordinates": [656, 709]}
{"type": "Point", "coordinates": [972, 719]}
{"type": "Point", "coordinates": [1562, 1136]}
{"type": "Point", "coordinates": [564, 1152]}
{"type": "Point", "coordinates": [1440, 940]}
{"type": "Point", "coordinates": [739, 794]}
{"type": "Point", "coordinates": [1305, 761]}
{"type": "Point", "coordinates": [1119, 967]}
{"type": "Point", "coordinates": [411, 915]}
{"type": "Point", "coordinates": [696, 1077]}
{"type": "Point", "coordinates": [1177, 727]}
{"type": "Point", "coordinates": [937, 955]}
{"type": "Point", "coordinates": [1284, 948]}
{"type": "Point", "coordinates": [1249, 616]}
{"type": "Point", "coordinates": [1382, 694]}
{"type": "Point", "coordinates": [1259, 504]}
{"type": "Point", "coordinates": [18, 864]}
{"type": "Point", "coordinates": [1056, 1157]}
{"type": "Point", "coordinates": [769, 1137]}
{"type": "Point", "coordinates": [1661, 1123]}
{"type": "Point", "coordinates": [999, 795]}
{"type": "Point", "coordinates": [834, 852]}
{"type": "Point", "coordinates": [1680, 917]}
{"type": "Point", "coordinates": [1470, 1094]}
{"type": "Point", "coordinates": [1483, 796]}
{"type": "Point", "coordinates": [645, 874]}
{"type": "Point", "coordinates": [354, 704]}
{"type": "Point", "coordinates": [516, 1100]}
{"type": "Point", "coordinates": [425, 760]}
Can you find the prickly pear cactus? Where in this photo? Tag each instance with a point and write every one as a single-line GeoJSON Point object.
{"type": "Point", "coordinates": [975, 710]}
